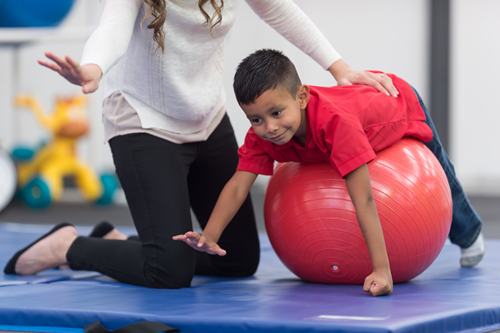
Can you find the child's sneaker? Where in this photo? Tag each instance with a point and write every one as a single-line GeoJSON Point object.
{"type": "Point", "coordinates": [472, 255]}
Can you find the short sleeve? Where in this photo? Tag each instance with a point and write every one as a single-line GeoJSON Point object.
{"type": "Point", "coordinates": [348, 143]}
{"type": "Point", "coordinates": [253, 156]}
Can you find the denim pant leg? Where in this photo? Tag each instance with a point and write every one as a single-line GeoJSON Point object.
{"type": "Point", "coordinates": [466, 223]}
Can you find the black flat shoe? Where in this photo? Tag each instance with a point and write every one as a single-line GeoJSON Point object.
{"type": "Point", "coordinates": [101, 229]}
{"type": "Point", "coordinates": [10, 268]}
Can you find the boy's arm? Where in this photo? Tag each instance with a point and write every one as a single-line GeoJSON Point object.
{"type": "Point", "coordinates": [230, 200]}
{"type": "Point", "coordinates": [358, 184]}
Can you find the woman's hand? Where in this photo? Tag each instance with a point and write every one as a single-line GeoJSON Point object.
{"type": "Point", "coordinates": [87, 76]}
{"type": "Point", "coordinates": [347, 76]}
{"type": "Point", "coordinates": [200, 243]}
{"type": "Point", "coordinates": [378, 283]}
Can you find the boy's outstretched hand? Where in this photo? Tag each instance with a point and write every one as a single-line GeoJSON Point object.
{"type": "Point", "coordinates": [378, 283]}
{"type": "Point", "coordinates": [200, 243]}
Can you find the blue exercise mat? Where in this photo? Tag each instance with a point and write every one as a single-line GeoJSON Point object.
{"type": "Point", "coordinates": [445, 298]}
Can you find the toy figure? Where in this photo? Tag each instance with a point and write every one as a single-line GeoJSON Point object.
{"type": "Point", "coordinates": [40, 177]}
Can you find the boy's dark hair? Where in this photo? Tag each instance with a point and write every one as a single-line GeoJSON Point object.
{"type": "Point", "coordinates": [263, 70]}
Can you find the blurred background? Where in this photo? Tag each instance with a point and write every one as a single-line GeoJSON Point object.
{"type": "Point", "coordinates": [448, 50]}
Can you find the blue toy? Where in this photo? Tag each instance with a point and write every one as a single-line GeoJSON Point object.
{"type": "Point", "coordinates": [33, 13]}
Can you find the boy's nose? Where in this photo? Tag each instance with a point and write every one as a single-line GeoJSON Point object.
{"type": "Point", "coordinates": [272, 127]}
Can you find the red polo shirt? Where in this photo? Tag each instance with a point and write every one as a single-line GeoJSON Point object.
{"type": "Point", "coordinates": [346, 126]}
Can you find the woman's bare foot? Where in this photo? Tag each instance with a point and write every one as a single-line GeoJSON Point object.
{"type": "Point", "coordinates": [49, 252]}
{"type": "Point", "coordinates": [115, 234]}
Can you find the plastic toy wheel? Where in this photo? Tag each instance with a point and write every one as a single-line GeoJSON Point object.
{"type": "Point", "coordinates": [36, 193]}
{"type": "Point", "coordinates": [22, 154]}
{"type": "Point", "coordinates": [8, 180]}
{"type": "Point", "coordinates": [109, 185]}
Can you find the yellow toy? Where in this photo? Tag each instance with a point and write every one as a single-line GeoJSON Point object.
{"type": "Point", "coordinates": [40, 178]}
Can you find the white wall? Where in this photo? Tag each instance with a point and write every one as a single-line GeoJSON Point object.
{"type": "Point", "coordinates": [475, 137]}
{"type": "Point", "coordinates": [388, 35]}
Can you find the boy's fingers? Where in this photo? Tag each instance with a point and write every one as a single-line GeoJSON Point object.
{"type": "Point", "coordinates": [380, 290]}
{"type": "Point", "coordinates": [367, 285]}
{"type": "Point", "coordinates": [191, 234]}
{"type": "Point", "coordinates": [201, 241]}
{"type": "Point", "coordinates": [377, 290]}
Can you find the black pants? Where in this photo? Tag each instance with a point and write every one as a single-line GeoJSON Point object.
{"type": "Point", "coordinates": [161, 181]}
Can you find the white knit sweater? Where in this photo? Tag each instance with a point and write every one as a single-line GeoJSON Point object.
{"type": "Point", "coordinates": [181, 90]}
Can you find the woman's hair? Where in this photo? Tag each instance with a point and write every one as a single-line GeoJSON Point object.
{"type": "Point", "coordinates": [157, 9]}
{"type": "Point", "coordinates": [261, 71]}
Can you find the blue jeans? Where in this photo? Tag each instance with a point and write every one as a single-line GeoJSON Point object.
{"type": "Point", "coordinates": [466, 223]}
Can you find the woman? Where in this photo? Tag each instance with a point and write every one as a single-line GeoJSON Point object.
{"type": "Point", "coordinates": [172, 143]}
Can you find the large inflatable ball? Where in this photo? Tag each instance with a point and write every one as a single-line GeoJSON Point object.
{"type": "Point", "coordinates": [312, 224]}
{"type": "Point", "coordinates": [33, 13]}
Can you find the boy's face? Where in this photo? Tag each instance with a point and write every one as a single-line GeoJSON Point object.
{"type": "Point", "coordinates": [277, 117]}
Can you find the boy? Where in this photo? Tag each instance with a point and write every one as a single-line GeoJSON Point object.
{"type": "Point", "coordinates": [344, 126]}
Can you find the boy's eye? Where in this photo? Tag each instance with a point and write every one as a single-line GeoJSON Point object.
{"type": "Point", "coordinates": [256, 121]}
{"type": "Point", "coordinates": [277, 113]}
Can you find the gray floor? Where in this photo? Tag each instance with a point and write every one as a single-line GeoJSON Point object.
{"type": "Point", "coordinates": [81, 213]}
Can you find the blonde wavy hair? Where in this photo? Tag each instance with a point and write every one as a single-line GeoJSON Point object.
{"type": "Point", "coordinates": [157, 9]}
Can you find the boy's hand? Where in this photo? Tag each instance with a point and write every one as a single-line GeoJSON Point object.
{"type": "Point", "coordinates": [200, 243]}
{"type": "Point", "coordinates": [378, 283]}
{"type": "Point", "coordinates": [87, 76]}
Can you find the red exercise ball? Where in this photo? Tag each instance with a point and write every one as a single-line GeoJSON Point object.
{"type": "Point", "coordinates": [312, 224]}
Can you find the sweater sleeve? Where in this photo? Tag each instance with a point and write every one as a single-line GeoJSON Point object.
{"type": "Point", "coordinates": [293, 24]}
{"type": "Point", "coordinates": [110, 40]}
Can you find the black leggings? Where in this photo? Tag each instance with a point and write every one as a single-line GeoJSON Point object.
{"type": "Point", "coordinates": [161, 181]}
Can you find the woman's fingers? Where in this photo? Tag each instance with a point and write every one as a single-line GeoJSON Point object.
{"type": "Point", "coordinates": [58, 60]}
{"type": "Point", "coordinates": [74, 64]}
{"type": "Point", "coordinates": [89, 87]}
{"type": "Point", "coordinates": [384, 84]}
{"type": "Point", "coordinates": [375, 84]}
{"type": "Point", "coordinates": [50, 65]}
{"type": "Point", "coordinates": [379, 81]}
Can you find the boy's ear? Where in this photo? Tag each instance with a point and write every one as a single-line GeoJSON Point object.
{"type": "Point", "coordinates": [303, 95]}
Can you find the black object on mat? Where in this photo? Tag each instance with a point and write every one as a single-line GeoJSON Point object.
{"type": "Point", "coordinates": [140, 327]}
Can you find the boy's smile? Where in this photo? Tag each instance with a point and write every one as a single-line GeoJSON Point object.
{"type": "Point", "coordinates": [277, 117]}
